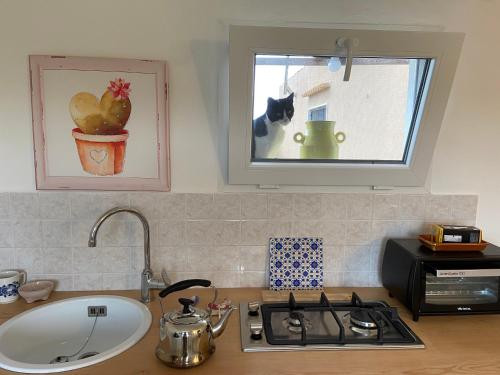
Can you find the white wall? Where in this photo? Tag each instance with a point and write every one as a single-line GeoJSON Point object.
{"type": "Point", "coordinates": [189, 34]}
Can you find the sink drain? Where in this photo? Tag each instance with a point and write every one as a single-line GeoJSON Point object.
{"type": "Point", "coordinates": [67, 358]}
{"type": "Point", "coordinates": [87, 355]}
{"type": "Point", "coordinates": [60, 359]}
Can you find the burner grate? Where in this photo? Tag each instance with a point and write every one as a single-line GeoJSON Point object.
{"type": "Point", "coordinates": [384, 320]}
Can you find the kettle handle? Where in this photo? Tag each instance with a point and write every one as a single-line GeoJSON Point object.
{"type": "Point", "coordinates": [184, 284]}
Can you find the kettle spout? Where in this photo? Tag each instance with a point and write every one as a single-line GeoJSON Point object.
{"type": "Point", "coordinates": [220, 326]}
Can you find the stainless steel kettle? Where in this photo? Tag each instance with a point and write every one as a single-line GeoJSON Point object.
{"type": "Point", "coordinates": [187, 335]}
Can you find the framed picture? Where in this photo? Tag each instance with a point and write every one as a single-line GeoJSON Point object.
{"type": "Point", "coordinates": [100, 124]}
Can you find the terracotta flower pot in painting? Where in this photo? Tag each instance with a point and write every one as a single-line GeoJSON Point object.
{"type": "Point", "coordinates": [101, 155]}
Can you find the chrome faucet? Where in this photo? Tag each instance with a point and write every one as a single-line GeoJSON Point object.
{"type": "Point", "coordinates": [147, 280]}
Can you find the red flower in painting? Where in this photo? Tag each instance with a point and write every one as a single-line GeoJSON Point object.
{"type": "Point", "coordinates": [119, 88]}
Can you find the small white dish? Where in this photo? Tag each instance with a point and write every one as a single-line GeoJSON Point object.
{"type": "Point", "coordinates": [36, 290]}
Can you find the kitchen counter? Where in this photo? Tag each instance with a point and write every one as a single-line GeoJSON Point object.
{"type": "Point", "coordinates": [454, 345]}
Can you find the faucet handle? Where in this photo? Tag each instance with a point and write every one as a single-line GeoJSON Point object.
{"type": "Point", "coordinates": [165, 277]}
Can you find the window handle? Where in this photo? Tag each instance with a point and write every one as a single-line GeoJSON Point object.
{"type": "Point", "coordinates": [347, 44]}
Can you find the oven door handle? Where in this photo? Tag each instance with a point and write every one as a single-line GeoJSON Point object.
{"type": "Point", "coordinates": [474, 272]}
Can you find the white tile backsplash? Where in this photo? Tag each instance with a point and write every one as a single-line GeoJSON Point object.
{"type": "Point", "coordinates": [356, 258]}
{"type": "Point", "coordinates": [24, 206]}
{"type": "Point", "coordinates": [6, 237]}
{"type": "Point", "coordinates": [63, 282]}
{"type": "Point", "coordinates": [54, 205]}
{"type": "Point", "coordinates": [30, 260]}
{"type": "Point", "coordinates": [359, 206]}
{"type": "Point", "coordinates": [412, 207]}
{"type": "Point", "coordinates": [170, 259]}
{"type": "Point", "coordinates": [7, 258]}
{"type": "Point", "coordinates": [26, 233]}
{"type": "Point", "coordinates": [254, 206]}
{"type": "Point", "coordinates": [86, 205]}
{"type": "Point", "coordinates": [56, 233]}
{"type": "Point", "coordinates": [254, 279]}
{"type": "Point", "coordinates": [222, 236]}
{"type": "Point", "coordinates": [335, 206]}
{"type": "Point", "coordinates": [464, 207]}
{"type": "Point", "coordinates": [308, 206]}
{"type": "Point", "coordinates": [226, 232]}
{"type": "Point", "coordinates": [171, 233]}
{"type": "Point", "coordinates": [58, 260]}
{"type": "Point", "coordinates": [251, 258]}
{"type": "Point", "coordinates": [386, 206]}
{"type": "Point", "coordinates": [170, 206]}
{"type": "Point", "coordinates": [88, 281]}
{"type": "Point", "coordinates": [358, 232]}
{"type": "Point", "coordinates": [438, 208]}
{"type": "Point", "coordinates": [114, 281]}
{"type": "Point", "coordinates": [4, 205]}
{"type": "Point", "coordinates": [200, 206]}
{"type": "Point", "coordinates": [227, 206]}
{"type": "Point", "coordinates": [145, 203]}
{"type": "Point", "coordinates": [280, 206]}
{"type": "Point", "coordinates": [333, 258]}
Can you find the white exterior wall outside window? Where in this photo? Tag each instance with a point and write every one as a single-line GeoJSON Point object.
{"type": "Point", "coordinates": [366, 129]}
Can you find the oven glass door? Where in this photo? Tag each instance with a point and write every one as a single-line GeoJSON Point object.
{"type": "Point", "coordinates": [462, 288]}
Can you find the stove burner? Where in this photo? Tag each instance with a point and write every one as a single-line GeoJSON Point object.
{"type": "Point", "coordinates": [361, 324]}
{"type": "Point", "coordinates": [294, 319]}
{"type": "Point", "coordinates": [292, 323]}
{"type": "Point", "coordinates": [360, 318]}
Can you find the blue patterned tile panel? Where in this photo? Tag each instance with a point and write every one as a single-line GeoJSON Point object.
{"type": "Point", "coordinates": [295, 263]}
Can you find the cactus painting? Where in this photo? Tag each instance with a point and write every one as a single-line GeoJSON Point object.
{"type": "Point", "coordinates": [100, 137]}
{"type": "Point", "coordinates": [100, 123]}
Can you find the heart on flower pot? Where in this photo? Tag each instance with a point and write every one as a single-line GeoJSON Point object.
{"type": "Point", "coordinates": [107, 116]}
{"type": "Point", "coordinates": [98, 155]}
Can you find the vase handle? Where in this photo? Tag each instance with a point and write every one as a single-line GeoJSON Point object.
{"type": "Point", "coordinates": [340, 137]}
{"type": "Point", "coordinates": [299, 138]}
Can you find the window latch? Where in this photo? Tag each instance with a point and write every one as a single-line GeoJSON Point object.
{"type": "Point", "coordinates": [347, 44]}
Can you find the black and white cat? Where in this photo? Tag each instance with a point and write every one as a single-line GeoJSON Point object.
{"type": "Point", "coordinates": [268, 133]}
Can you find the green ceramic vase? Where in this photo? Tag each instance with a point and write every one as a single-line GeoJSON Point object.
{"type": "Point", "coordinates": [320, 140]}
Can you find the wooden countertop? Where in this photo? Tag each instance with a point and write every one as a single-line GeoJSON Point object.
{"type": "Point", "coordinates": [454, 345]}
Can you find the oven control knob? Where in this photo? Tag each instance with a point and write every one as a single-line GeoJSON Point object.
{"type": "Point", "coordinates": [256, 331]}
{"type": "Point", "coordinates": [253, 308]}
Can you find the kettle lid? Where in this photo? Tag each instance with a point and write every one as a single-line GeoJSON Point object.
{"type": "Point", "coordinates": [188, 314]}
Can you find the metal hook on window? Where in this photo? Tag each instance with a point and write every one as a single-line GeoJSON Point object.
{"type": "Point", "coordinates": [286, 89]}
{"type": "Point", "coordinates": [348, 44]}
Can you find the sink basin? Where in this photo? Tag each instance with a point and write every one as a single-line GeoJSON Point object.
{"type": "Point", "coordinates": [45, 339]}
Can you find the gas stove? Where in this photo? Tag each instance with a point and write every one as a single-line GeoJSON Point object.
{"type": "Point", "coordinates": [323, 325]}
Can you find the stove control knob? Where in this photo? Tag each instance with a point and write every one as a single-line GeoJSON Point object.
{"type": "Point", "coordinates": [256, 331]}
{"type": "Point", "coordinates": [253, 308]}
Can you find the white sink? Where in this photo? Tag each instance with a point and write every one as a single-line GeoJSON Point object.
{"type": "Point", "coordinates": [31, 340]}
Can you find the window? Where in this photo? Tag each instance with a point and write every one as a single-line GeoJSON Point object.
{"type": "Point", "coordinates": [317, 114]}
{"type": "Point", "coordinates": [336, 107]}
{"type": "Point", "coordinates": [375, 108]}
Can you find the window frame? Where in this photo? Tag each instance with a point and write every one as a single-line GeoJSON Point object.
{"type": "Point", "coordinates": [247, 41]}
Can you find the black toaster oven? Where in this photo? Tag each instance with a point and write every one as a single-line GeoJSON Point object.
{"type": "Point", "coordinates": [438, 283]}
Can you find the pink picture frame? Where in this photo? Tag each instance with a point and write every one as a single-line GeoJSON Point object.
{"type": "Point", "coordinates": [117, 142]}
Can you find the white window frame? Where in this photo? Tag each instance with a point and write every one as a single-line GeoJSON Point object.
{"type": "Point", "coordinates": [247, 41]}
